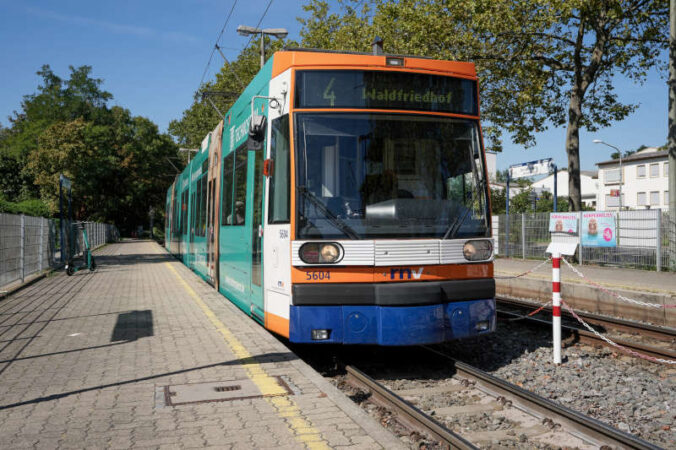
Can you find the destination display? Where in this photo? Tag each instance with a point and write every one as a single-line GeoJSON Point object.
{"type": "Point", "coordinates": [385, 90]}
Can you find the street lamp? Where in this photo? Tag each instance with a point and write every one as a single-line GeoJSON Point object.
{"type": "Point", "coordinates": [279, 33]}
{"type": "Point", "coordinates": [599, 141]}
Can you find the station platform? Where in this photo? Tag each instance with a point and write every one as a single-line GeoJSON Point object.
{"type": "Point", "coordinates": [653, 287]}
{"type": "Point", "coordinates": [144, 354]}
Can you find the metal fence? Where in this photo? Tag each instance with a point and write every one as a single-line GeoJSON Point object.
{"type": "Point", "coordinates": [29, 245]}
{"type": "Point", "coordinates": [645, 240]}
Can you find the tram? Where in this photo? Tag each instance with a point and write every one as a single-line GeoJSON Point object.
{"type": "Point", "coordinates": [344, 199]}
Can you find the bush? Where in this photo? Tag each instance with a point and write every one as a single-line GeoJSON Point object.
{"type": "Point", "coordinates": [31, 207]}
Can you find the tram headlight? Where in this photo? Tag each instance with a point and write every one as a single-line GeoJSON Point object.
{"type": "Point", "coordinates": [478, 250]}
{"type": "Point", "coordinates": [320, 252]}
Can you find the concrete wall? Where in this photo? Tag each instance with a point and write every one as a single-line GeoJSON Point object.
{"type": "Point", "coordinates": [591, 299]}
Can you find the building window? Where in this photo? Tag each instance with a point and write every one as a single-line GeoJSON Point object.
{"type": "Point", "coordinates": [612, 176]}
{"type": "Point", "coordinates": [666, 197]}
{"type": "Point", "coordinates": [654, 170]}
{"type": "Point", "coordinates": [655, 198]}
{"type": "Point", "coordinates": [641, 199]}
{"type": "Point", "coordinates": [612, 201]}
{"type": "Point", "coordinates": [640, 171]}
{"type": "Point", "coordinates": [666, 170]}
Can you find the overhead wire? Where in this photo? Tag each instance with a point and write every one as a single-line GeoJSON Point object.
{"type": "Point", "coordinates": [218, 39]}
{"type": "Point", "coordinates": [259, 22]}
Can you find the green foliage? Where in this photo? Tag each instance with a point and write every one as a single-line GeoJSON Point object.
{"type": "Point", "coordinates": [523, 202]}
{"type": "Point", "coordinates": [539, 63]}
{"type": "Point", "coordinates": [497, 201]}
{"type": "Point", "coordinates": [200, 118]}
{"type": "Point", "coordinates": [117, 162]}
{"type": "Point", "coordinates": [31, 207]}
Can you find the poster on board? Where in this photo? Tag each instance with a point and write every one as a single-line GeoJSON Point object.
{"type": "Point", "coordinates": [598, 229]}
{"type": "Point", "coordinates": [563, 222]}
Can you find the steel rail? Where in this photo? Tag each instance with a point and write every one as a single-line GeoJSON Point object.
{"type": "Point", "coordinates": [588, 426]}
{"type": "Point", "coordinates": [406, 412]}
{"type": "Point", "coordinates": [585, 336]}
{"type": "Point", "coordinates": [662, 333]}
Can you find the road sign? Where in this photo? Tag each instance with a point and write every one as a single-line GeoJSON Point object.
{"type": "Point", "coordinates": [614, 192]}
{"type": "Point", "coordinates": [529, 169]}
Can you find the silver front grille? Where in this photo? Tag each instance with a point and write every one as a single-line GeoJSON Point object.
{"type": "Point", "coordinates": [393, 252]}
{"type": "Point", "coordinates": [410, 252]}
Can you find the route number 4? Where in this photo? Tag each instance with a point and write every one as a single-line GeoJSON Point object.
{"type": "Point", "coordinates": [329, 94]}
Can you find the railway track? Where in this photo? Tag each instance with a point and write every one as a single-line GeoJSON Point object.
{"type": "Point", "coordinates": [502, 414]}
{"type": "Point", "coordinates": [663, 338]}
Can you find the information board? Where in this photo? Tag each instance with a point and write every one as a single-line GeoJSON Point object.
{"type": "Point", "coordinates": [598, 229]}
{"type": "Point", "coordinates": [531, 168]}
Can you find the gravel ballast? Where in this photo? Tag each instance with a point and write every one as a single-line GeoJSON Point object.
{"type": "Point", "coordinates": [633, 395]}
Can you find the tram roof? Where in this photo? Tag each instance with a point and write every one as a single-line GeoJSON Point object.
{"type": "Point", "coordinates": [320, 59]}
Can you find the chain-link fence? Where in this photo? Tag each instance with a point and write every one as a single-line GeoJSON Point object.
{"type": "Point", "coordinates": [645, 240]}
{"type": "Point", "coordinates": [29, 245]}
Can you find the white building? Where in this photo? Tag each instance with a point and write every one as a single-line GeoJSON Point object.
{"type": "Point", "coordinates": [589, 185]}
{"type": "Point", "coordinates": [491, 165]}
{"type": "Point", "coordinates": [514, 189]}
{"type": "Point", "coordinates": [644, 181]}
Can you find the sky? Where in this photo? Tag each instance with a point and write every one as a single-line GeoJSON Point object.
{"type": "Point", "coordinates": [152, 55]}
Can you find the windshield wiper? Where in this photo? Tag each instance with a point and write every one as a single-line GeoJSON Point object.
{"type": "Point", "coordinates": [453, 228]}
{"type": "Point", "coordinates": [335, 220]}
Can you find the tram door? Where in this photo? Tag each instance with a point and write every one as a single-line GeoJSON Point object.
{"type": "Point", "coordinates": [257, 307]}
{"type": "Point", "coordinates": [213, 202]}
{"type": "Point", "coordinates": [192, 225]}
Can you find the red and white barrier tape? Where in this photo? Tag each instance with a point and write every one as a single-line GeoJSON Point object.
{"type": "Point", "coordinates": [525, 273]}
{"type": "Point", "coordinates": [530, 314]}
{"type": "Point", "coordinates": [614, 344]}
{"type": "Point", "coordinates": [615, 294]}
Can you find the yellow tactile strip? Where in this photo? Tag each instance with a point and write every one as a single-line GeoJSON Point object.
{"type": "Point", "coordinates": [273, 393]}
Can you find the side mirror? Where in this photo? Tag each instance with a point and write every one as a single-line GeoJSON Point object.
{"type": "Point", "coordinates": [257, 128]}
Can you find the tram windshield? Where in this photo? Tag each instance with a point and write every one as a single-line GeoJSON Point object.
{"type": "Point", "coordinates": [368, 175]}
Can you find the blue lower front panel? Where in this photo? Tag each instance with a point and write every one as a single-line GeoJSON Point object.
{"type": "Point", "coordinates": [392, 325]}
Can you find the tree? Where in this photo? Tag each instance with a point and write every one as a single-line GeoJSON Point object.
{"type": "Point", "coordinates": [539, 63]}
{"type": "Point", "coordinates": [117, 162]}
{"type": "Point", "coordinates": [55, 100]}
{"type": "Point", "coordinates": [200, 118]}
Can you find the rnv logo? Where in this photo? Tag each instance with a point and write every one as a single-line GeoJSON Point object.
{"type": "Point", "coordinates": [409, 273]}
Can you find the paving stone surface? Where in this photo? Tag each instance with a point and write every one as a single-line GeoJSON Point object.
{"type": "Point", "coordinates": [84, 361]}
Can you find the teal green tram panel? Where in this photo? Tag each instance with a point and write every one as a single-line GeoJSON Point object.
{"type": "Point", "coordinates": [196, 252]}
{"type": "Point", "coordinates": [238, 218]}
{"type": "Point", "coordinates": [241, 224]}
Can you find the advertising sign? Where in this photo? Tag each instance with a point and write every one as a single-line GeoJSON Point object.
{"type": "Point", "coordinates": [563, 222]}
{"type": "Point", "coordinates": [598, 229]}
{"type": "Point", "coordinates": [529, 169]}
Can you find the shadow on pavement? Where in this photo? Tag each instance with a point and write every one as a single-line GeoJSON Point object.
{"type": "Point", "coordinates": [267, 357]}
{"type": "Point", "coordinates": [133, 325]}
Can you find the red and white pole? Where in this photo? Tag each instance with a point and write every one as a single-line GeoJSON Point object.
{"type": "Point", "coordinates": [556, 305]}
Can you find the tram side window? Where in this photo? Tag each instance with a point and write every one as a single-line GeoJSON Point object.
{"type": "Point", "coordinates": [184, 212]}
{"type": "Point", "coordinates": [226, 195]}
{"type": "Point", "coordinates": [280, 179]}
{"type": "Point", "coordinates": [203, 206]}
{"type": "Point", "coordinates": [239, 201]}
{"type": "Point", "coordinates": [193, 214]}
